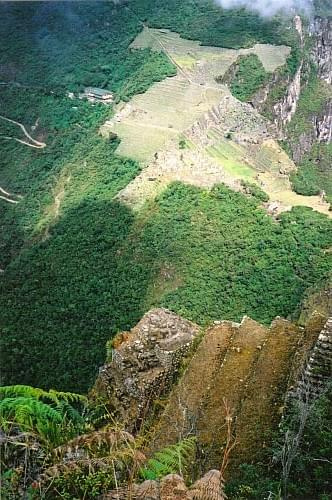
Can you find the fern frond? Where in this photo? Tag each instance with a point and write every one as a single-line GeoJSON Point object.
{"type": "Point", "coordinates": [119, 459]}
{"type": "Point", "coordinates": [26, 411]}
{"type": "Point", "coordinates": [36, 393]}
{"type": "Point", "coordinates": [97, 442]}
{"type": "Point", "coordinates": [69, 397]}
{"type": "Point", "coordinates": [28, 414]}
{"type": "Point", "coordinates": [69, 413]}
{"type": "Point", "coordinates": [11, 391]}
{"type": "Point", "coordinates": [171, 460]}
{"type": "Point", "coordinates": [53, 424]}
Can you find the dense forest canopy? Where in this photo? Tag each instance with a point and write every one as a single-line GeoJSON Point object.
{"type": "Point", "coordinates": [101, 268]}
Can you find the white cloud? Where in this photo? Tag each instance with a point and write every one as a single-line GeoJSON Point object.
{"type": "Point", "coordinates": [269, 7]}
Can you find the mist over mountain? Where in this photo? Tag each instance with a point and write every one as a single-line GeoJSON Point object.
{"type": "Point", "coordinates": [269, 7]}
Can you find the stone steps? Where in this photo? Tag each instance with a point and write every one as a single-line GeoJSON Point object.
{"type": "Point", "coordinates": [318, 369]}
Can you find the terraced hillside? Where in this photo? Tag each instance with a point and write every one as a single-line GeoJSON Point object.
{"type": "Point", "coordinates": [248, 365]}
{"type": "Point", "coordinates": [204, 62]}
{"type": "Point", "coordinates": [171, 106]}
{"type": "Point", "coordinates": [189, 128]}
{"type": "Point", "coordinates": [149, 121]}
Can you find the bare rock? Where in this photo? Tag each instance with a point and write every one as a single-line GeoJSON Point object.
{"type": "Point", "coordinates": [144, 363]}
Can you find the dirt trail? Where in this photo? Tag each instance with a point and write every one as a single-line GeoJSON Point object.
{"type": "Point", "coordinates": [35, 143]}
{"type": "Point", "coordinates": [52, 211]}
{"type": "Point", "coordinates": [8, 196]}
{"type": "Point", "coordinates": [60, 195]}
{"type": "Point", "coordinates": [8, 199]}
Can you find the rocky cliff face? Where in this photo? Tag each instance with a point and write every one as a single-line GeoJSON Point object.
{"type": "Point", "coordinates": [323, 124]}
{"type": "Point", "coordinates": [319, 130]}
{"type": "Point", "coordinates": [247, 366]}
{"type": "Point", "coordinates": [321, 29]}
{"type": "Point", "coordinates": [144, 363]}
{"type": "Point", "coordinates": [319, 126]}
{"type": "Point", "coordinates": [286, 108]}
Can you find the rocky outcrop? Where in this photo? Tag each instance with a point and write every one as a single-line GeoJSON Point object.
{"type": "Point", "coordinates": [172, 487]}
{"type": "Point", "coordinates": [298, 25]}
{"type": "Point", "coordinates": [246, 365]}
{"type": "Point", "coordinates": [318, 129]}
{"type": "Point", "coordinates": [323, 124]}
{"type": "Point", "coordinates": [322, 53]}
{"type": "Point", "coordinates": [319, 126]}
{"type": "Point", "coordinates": [285, 109]}
{"type": "Point", "coordinates": [239, 371]}
{"type": "Point", "coordinates": [144, 363]}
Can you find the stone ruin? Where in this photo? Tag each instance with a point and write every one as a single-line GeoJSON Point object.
{"type": "Point", "coordinates": [143, 364]}
{"type": "Point", "coordinates": [317, 372]}
{"type": "Point", "coordinates": [233, 117]}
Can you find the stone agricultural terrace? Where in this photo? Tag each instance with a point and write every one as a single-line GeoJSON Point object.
{"type": "Point", "coordinates": [223, 139]}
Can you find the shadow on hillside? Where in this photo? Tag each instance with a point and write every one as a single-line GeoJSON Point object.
{"type": "Point", "coordinates": [62, 299]}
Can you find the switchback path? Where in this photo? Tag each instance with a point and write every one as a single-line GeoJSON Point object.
{"type": "Point", "coordinates": [7, 196]}
{"type": "Point", "coordinates": [35, 143]}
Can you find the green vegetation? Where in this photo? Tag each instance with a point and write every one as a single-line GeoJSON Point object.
{"type": "Point", "coordinates": [255, 191]}
{"type": "Point", "coordinates": [183, 144]}
{"type": "Point", "coordinates": [50, 446]}
{"type": "Point", "coordinates": [174, 459]}
{"type": "Point", "coordinates": [64, 297]}
{"type": "Point", "coordinates": [311, 473]}
{"type": "Point", "coordinates": [248, 76]}
{"type": "Point", "coordinates": [92, 463]}
{"type": "Point", "coordinates": [79, 266]}
{"type": "Point", "coordinates": [49, 416]}
{"type": "Point", "coordinates": [107, 457]}
{"type": "Point", "coordinates": [68, 45]}
{"type": "Point", "coordinates": [77, 170]}
{"type": "Point", "coordinates": [230, 257]}
{"type": "Point", "coordinates": [314, 172]}
{"type": "Point", "coordinates": [323, 8]}
{"type": "Point", "coordinates": [74, 276]}
{"type": "Point", "coordinates": [207, 22]}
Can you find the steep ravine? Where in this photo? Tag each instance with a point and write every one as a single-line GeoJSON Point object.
{"type": "Point", "coordinates": [316, 125]}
